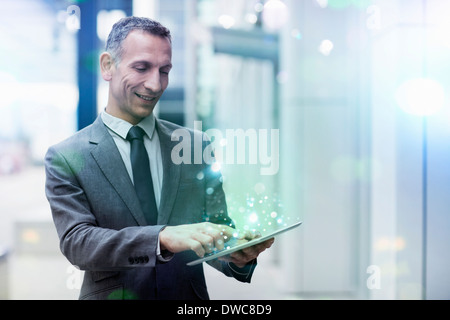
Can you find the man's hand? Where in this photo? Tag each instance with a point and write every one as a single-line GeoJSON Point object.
{"type": "Point", "coordinates": [199, 237]}
{"type": "Point", "coordinates": [242, 257]}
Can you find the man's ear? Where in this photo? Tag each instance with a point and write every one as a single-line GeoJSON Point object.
{"type": "Point", "coordinates": [106, 66]}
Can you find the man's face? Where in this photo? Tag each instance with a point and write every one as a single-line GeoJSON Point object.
{"type": "Point", "coordinates": [140, 78]}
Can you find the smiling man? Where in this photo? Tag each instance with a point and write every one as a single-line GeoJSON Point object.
{"type": "Point", "coordinates": [133, 245]}
{"type": "Point", "coordinates": [138, 73]}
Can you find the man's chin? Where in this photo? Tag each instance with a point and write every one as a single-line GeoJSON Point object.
{"type": "Point", "coordinates": [143, 111]}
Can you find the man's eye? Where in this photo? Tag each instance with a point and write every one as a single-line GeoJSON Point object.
{"type": "Point", "coordinates": [140, 69]}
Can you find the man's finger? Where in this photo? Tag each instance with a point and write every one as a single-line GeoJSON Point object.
{"type": "Point", "coordinates": [219, 233]}
{"type": "Point", "coordinates": [197, 247]}
{"type": "Point", "coordinates": [258, 248]}
{"type": "Point", "coordinates": [268, 243]}
{"type": "Point", "coordinates": [208, 241]}
{"type": "Point", "coordinates": [225, 230]}
{"type": "Point", "coordinates": [249, 234]}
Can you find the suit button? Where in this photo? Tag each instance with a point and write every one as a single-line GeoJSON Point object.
{"type": "Point", "coordinates": [146, 259]}
{"type": "Point", "coordinates": [141, 259]}
{"type": "Point", "coordinates": [131, 260]}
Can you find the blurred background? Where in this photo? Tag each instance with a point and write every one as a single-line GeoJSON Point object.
{"type": "Point", "coordinates": [356, 89]}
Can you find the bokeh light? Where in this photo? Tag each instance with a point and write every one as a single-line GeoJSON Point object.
{"type": "Point", "coordinates": [259, 211]}
{"type": "Point", "coordinates": [275, 14]}
{"type": "Point", "coordinates": [325, 47]}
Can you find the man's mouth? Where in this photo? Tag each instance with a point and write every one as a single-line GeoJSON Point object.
{"type": "Point", "coordinates": [146, 98]}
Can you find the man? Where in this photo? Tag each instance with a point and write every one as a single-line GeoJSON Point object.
{"type": "Point", "coordinates": [92, 187]}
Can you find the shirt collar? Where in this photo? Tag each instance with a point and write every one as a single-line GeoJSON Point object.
{"type": "Point", "coordinates": [121, 127]}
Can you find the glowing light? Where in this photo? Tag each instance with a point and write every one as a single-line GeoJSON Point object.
{"type": "Point", "coordinates": [261, 211]}
{"type": "Point", "coordinates": [275, 14]}
{"type": "Point", "coordinates": [259, 7]}
{"type": "Point", "coordinates": [223, 142]}
{"type": "Point", "coordinates": [251, 18]}
{"type": "Point", "coordinates": [420, 96]}
{"type": "Point", "coordinates": [250, 202]}
{"type": "Point", "coordinates": [200, 175]}
{"type": "Point", "coordinates": [325, 47]}
{"type": "Point", "coordinates": [226, 21]}
{"type": "Point", "coordinates": [215, 167]}
{"type": "Point", "coordinates": [253, 217]}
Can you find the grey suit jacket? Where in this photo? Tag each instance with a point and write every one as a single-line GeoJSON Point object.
{"type": "Point", "coordinates": [101, 226]}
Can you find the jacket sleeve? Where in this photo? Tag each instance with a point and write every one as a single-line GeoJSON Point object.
{"type": "Point", "coordinates": [82, 241]}
{"type": "Point", "coordinates": [230, 270]}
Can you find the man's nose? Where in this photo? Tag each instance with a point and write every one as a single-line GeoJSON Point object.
{"type": "Point", "coordinates": [153, 81]}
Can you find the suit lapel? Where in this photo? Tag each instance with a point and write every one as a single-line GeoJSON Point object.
{"type": "Point", "coordinates": [171, 176]}
{"type": "Point", "coordinates": [111, 164]}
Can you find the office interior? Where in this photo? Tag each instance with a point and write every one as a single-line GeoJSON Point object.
{"type": "Point", "coordinates": [354, 94]}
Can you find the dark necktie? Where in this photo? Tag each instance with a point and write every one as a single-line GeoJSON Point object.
{"type": "Point", "coordinates": [141, 174]}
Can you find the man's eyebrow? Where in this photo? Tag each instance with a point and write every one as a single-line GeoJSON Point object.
{"type": "Point", "coordinates": [147, 63]}
{"type": "Point", "coordinates": [139, 62]}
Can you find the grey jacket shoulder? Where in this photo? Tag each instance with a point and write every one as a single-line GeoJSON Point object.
{"type": "Point", "coordinates": [170, 128]}
{"type": "Point", "coordinates": [76, 141]}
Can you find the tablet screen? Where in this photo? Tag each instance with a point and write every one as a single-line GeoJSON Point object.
{"type": "Point", "coordinates": [234, 244]}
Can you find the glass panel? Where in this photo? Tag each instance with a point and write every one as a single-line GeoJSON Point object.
{"type": "Point", "coordinates": [39, 97]}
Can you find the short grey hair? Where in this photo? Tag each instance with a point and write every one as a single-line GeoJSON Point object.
{"type": "Point", "coordinates": [124, 26]}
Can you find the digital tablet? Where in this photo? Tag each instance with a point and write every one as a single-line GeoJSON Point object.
{"type": "Point", "coordinates": [232, 245]}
